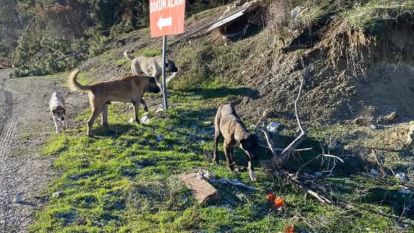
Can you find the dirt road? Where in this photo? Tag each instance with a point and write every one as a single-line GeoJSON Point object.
{"type": "Point", "coordinates": [24, 123]}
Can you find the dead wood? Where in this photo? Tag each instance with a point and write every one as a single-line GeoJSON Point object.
{"type": "Point", "coordinates": [279, 158]}
{"type": "Point", "coordinates": [307, 190]}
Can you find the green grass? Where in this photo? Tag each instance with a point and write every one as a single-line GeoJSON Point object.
{"type": "Point", "coordinates": [126, 180]}
{"type": "Point", "coordinates": [368, 14]}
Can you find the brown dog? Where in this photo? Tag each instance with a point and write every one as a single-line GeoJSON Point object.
{"type": "Point", "coordinates": [228, 124]}
{"type": "Point", "coordinates": [129, 89]}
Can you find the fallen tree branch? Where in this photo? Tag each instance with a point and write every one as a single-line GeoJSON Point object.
{"type": "Point", "coordinates": [332, 156]}
{"type": "Point", "coordinates": [269, 142]}
{"type": "Point", "coordinates": [308, 191]}
{"type": "Point", "coordinates": [280, 158]}
{"type": "Point", "coordinates": [235, 183]}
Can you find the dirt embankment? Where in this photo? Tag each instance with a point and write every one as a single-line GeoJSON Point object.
{"type": "Point", "coordinates": [353, 72]}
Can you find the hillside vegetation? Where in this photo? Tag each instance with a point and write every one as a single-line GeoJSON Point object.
{"type": "Point", "coordinates": [360, 58]}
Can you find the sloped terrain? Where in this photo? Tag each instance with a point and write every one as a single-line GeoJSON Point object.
{"type": "Point", "coordinates": [126, 178]}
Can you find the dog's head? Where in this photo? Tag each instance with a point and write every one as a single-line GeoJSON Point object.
{"type": "Point", "coordinates": [249, 144]}
{"type": "Point", "coordinates": [171, 66]}
{"type": "Point", "coordinates": [59, 113]}
{"type": "Point", "coordinates": [153, 85]}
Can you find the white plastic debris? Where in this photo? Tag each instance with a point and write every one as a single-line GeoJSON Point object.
{"type": "Point", "coordinates": [160, 138]}
{"type": "Point", "coordinates": [57, 194]}
{"type": "Point", "coordinates": [204, 174]}
{"type": "Point", "coordinates": [374, 172]}
{"type": "Point", "coordinates": [405, 191]}
{"type": "Point", "coordinates": [296, 12]}
{"type": "Point", "coordinates": [401, 176]}
{"type": "Point", "coordinates": [145, 119]}
{"type": "Point", "coordinates": [273, 127]}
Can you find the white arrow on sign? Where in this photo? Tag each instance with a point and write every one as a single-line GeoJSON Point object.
{"type": "Point", "coordinates": [164, 22]}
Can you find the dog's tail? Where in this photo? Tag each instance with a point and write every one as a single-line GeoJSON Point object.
{"type": "Point", "coordinates": [127, 56]}
{"type": "Point", "coordinates": [74, 85]}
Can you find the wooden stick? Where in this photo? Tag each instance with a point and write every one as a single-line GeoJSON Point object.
{"type": "Point", "coordinates": [298, 140]}
{"type": "Point", "coordinates": [309, 191]}
{"type": "Point", "coordinates": [269, 142]}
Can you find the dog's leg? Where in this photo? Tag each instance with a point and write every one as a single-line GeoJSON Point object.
{"type": "Point", "coordinates": [136, 109]}
{"type": "Point", "coordinates": [249, 164]}
{"type": "Point", "coordinates": [56, 125]}
{"type": "Point", "coordinates": [144, 104]}
{"type": "Point", "coordinates": [252, 175]}
{"type": "Point", "coordinates": [216, 133]}
{"type": "Point", "coordinates": [227, 153]}
{"type": "Point", "coordinates": [216, 139]}
{"type": "Point", "coordinates": [104, 115]}
{"type": "Point", "coordinates": [231, 155]}
{"type": "Point", "coordinates": [94, 115]}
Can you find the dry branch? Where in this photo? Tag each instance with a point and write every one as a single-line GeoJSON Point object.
{"type": "Point", "coordinates": [309, 191]}
{"type": "Point", "coordinates": [278, 159]}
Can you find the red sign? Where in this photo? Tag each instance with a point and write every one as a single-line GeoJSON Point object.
{"type": "Point", "coordinates": [166, 17]}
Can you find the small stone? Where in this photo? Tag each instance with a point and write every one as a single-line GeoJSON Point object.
{"type": "Point", "coordinates": [405, 191]}
{"type": "Point", "coordinates": [410, 136]}
{"type": "Point", "coordinates": [390, 118]}
{"type": "Point", "coordinates": [373, 127]}
{"type": "Point", "coordinates": [273, 127]}
{"type": "Point", "coordinates": [361, 121]}
{"type": "Point", "coordinates": [159, 109]}
{"type": "Point", "coordinates": [145, 119]}
{"type": "Point", "coordinates": [401, 176]}
{"type": "Point", "coordinates": [57, 194]}
{"type": "Point", "coordinates": [18, 197]}
{"type": "Point", "coordinates": [374, 172]}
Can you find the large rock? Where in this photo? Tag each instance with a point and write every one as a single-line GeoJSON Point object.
{"type": "Point", "coordinates": [203, 191]}
{"type": "Point", "coordinates": [410, 136]}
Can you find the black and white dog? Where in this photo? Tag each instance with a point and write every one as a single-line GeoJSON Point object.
{"type": "Point", "coordinates": [57, 110]}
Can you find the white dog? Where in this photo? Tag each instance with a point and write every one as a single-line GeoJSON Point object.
{"type": "Point", "coordinates": [57, 110]}
{"type": "Point", "coordinates": [151, 66]}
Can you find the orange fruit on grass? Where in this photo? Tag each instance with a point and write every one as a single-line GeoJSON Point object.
{"type": "Point", "coordinates": [278, 202]}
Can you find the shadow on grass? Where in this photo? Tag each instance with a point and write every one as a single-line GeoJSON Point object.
{"type": "Point", "coordinates": [111, 131]}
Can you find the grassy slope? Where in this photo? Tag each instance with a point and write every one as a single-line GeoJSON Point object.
{"type": "Point", "coordinates": [126, 178]}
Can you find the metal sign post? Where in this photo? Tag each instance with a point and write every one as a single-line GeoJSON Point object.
{"type": "Point", "coordinates": [166, 18]}
{"type": "Point", "coordinates": [164, 83]}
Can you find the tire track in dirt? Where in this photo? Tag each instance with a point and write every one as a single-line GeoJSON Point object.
{"type": "Point", "coordinates": [5, 143]}
{"type": "Point", "coordinates": [23, 105]}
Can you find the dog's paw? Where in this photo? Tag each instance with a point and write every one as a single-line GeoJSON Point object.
{"type": "Point", "coordinates": [252, 176]}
